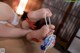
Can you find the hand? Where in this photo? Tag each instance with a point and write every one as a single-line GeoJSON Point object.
{"type": "Point", "coordinates": [48, 29]}
{"type": "Point", "coordinates": [39, 14]}
{"type": "Point", "coordinates": [41, 33]}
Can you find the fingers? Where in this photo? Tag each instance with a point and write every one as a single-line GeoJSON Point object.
{"type": "Point", "coordinates": [45, 30]}
{"type": "Point", "coordinates": [39, 14]}
{"type": "Point", "coordinates": [52, 27]}
{"type": "Point", "coordinates": [48, 30]}
{"type": "Point", "coordinates": [51, 32]}
{"type": "Point", "coordinates": [41, 33]}
{"type": "Point", "coordinates": [46, 12]}
{"type": "Point", "coordinates": [49, 13]}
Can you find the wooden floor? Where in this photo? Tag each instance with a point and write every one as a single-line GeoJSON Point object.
{"type": "Point", "coordinates": [22, 46]}
{"type": "Point", "coordinates": [53, 50]}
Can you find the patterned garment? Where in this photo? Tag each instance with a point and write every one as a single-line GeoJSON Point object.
{"type": "Point", "coordinates": [49, 42]}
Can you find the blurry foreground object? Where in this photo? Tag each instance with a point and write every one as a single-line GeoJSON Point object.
{"type": "Point", "coordinates": [21, 7]}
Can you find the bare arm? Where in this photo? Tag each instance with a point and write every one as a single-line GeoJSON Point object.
{"type": "Point", "coordinates": [6, 31]}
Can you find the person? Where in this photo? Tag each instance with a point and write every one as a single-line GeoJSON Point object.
{"type": "Point", "coordinates": [35, 16]}
{"type": "Point", "coordinates": [10, 30]}
{"type": "Point", "coordinates": [9, 20]}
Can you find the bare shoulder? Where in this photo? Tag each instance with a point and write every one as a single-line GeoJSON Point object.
{"type": "Point", "coordinates": [2, 3]}
{"type": "Point", "coordinates": [6, 12]}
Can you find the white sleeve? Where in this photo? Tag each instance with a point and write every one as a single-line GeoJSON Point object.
{"type": "Point", "coordinates": [15, 20]}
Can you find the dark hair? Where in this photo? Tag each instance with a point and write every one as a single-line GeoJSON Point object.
{"type": "Point", "coordinates": [38, 24]}
{"type": "Point", "coordinates": [24, 16]}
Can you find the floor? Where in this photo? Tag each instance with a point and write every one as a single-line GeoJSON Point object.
{"type": "Point", "coordinates": [53, 50]}
{"type": "Point", "coordinates": [21, 45]}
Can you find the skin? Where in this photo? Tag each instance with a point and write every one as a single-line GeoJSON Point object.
{"type": "Point", "coordinates": [7, 14]}
{"type": "Point", "coordinates": [34, 16]}
{"type": "Point", "coordinates": [39, 14]}
{"type": "Point", "coordinates": [12, 31]}
{"type": "Point", "coordinates": [41, 33]}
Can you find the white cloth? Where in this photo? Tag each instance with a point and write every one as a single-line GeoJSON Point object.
{"type": "Point", "coordinates": [7, 12]}
{"type": "Point", "coordinates": [14, 22]}
{"type": "Point", "coordinates": [3, 22]}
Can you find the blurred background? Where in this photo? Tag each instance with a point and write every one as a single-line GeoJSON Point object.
{"type": "Point", "coordinates": [66, 18]}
